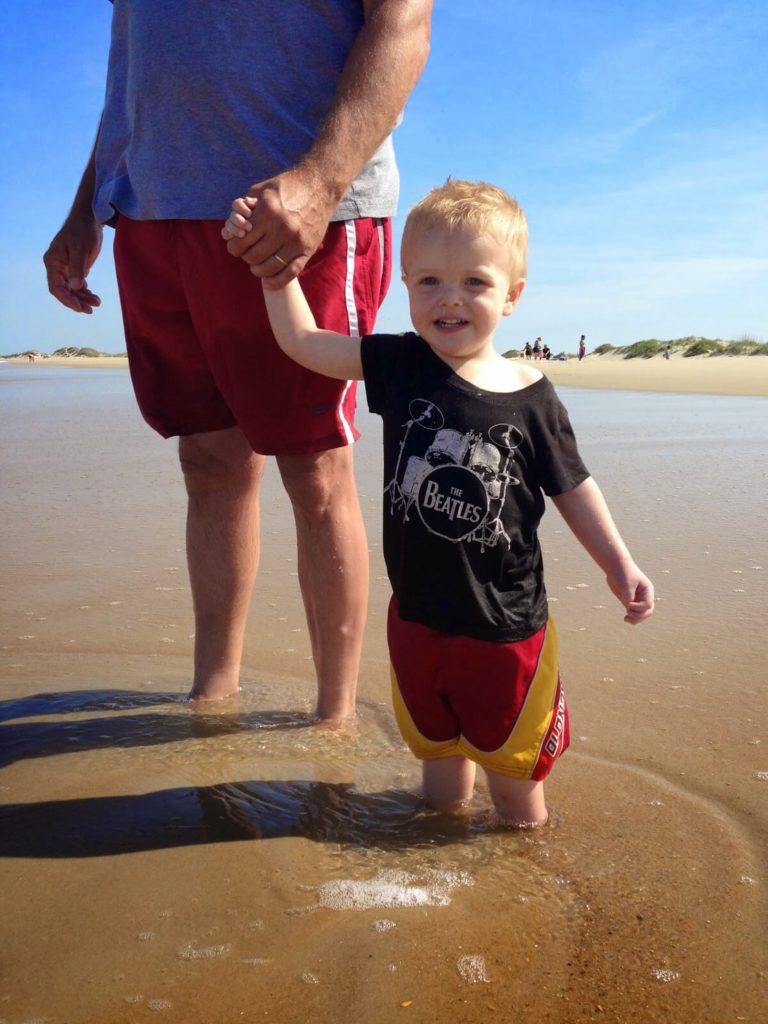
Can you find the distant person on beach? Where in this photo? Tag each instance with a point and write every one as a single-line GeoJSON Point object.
{"type": "Point", "coordinates": [527, 351]}
{"type": "Point", "coordinates": [472, 443]}
{"type": "Point", "coordinates": [582, 347]}
{"type": "Point", "coordinates": [667, 352]}
{"type": "Point", "coordinates": [314, 90]}
{"type": "Point", "coordinates": [545, 352]}
{"type": "Point", "coordinates": [537, 349]}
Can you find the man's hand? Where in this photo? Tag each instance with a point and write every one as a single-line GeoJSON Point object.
{"type": "Point", "coordinates": [68, 260]}
{"type": "Point", "coordinates": [278, 225]}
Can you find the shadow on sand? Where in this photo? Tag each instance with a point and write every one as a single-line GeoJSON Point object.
{"type": "Point", "coordinates": [321, 811]}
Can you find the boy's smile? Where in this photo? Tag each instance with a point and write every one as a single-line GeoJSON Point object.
{"type": "Point", "coordinates": [459, 288]}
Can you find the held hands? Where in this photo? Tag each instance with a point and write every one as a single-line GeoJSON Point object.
{"type": "Point", "coordinates": [635, 591]}
{"type": "Point", "coordinates": [70, 256]}
{"type": "Point", "coordinates": [278, 225]}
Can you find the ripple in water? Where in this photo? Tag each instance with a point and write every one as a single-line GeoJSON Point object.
{"type": "Point", "coordinates": [472, 969]}
{"type": "Point", "coordinates": [665, 975]}
{"type": "Point", "coordinates": [189, 952]}
{"type": "Point", "coordinates": [381, 925]}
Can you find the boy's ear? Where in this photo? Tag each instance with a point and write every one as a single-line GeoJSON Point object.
{"type": "Point", "coordinates": [513, 296]}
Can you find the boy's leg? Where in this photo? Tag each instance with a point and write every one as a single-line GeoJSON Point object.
{"type": "Point", "coordinates": [448, 782]}
{"type": "Point", "coordinates": [518, 802]}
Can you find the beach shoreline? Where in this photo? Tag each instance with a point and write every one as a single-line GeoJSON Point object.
{"type": "Point", "coordinates": [715, 375]}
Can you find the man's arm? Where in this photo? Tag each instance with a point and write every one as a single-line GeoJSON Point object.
{"type": "Point", "coordinates": [297, 334]}
{"type": "Point", "coordinates": [290, 212]}
{"type": "Point", "coordinates": [585, 511]}
{"type": "Point", "coordinates": [75, 247]}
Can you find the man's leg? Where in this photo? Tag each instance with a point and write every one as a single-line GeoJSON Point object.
{"type": "Point", "coordinates": [222, 476]}
{"type": "Point", "coordinates": [333, 570]}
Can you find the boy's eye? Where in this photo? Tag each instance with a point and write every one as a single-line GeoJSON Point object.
{"type": "Point", "coordinates": [475, 282]}
{"type": "Point", "coordinates": [428, 280]}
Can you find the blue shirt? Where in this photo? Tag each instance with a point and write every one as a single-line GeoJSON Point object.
{"type": "Point", "coordinates": [204, 99]}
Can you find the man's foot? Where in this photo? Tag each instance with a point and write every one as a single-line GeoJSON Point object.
{"type": "Point", "coordinates": [335, 723]}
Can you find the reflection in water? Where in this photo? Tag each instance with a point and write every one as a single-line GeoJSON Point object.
{"type": "Point", "coordinates": [24, 740]}
{"type": "Point", "coordinates": [390, 817]}
{"type": "Point", "coordinates": [320, 811]}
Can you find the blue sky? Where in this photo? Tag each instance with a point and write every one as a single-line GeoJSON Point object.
{"type": "Point", "coordinates": [632, 134]}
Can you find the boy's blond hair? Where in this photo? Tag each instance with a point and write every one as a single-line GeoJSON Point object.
{"type": "Point", "coordinates": [475, 205]}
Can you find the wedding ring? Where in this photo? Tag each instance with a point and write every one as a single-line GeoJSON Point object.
{"type": "Point", "coordinates": [279, 259]}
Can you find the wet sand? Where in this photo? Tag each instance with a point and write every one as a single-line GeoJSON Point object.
{"type": "Point", "coordinates": [235, 864]}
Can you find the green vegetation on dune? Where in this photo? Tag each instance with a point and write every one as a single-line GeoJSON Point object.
{"type": "Point", "coordinates": [67, 352]}
{"type": "Point", "coordinates": [91, 353]}
{"type": "Point", "coordinates": [641, 349]}
{"type": "Point", "coordinates": [704, 347]}
{"type": "Point", "coordinates": [691, 346]}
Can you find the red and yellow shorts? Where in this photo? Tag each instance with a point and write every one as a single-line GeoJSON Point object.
{"type": "Point", "coordinates": [200, 349]}
{"type": "Point", "coordinates": [498, 704]}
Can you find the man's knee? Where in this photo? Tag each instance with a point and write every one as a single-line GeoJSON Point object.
{"type": "Point", "coordinates": [318, 483]}
{"type": "Point", "coordinates": [219, 461]}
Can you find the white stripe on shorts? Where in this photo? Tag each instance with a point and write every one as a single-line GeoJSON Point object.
{"type": "Point", "coordinates": [349, 284]}
{"type": "Point", "coordinates": [354, 328]}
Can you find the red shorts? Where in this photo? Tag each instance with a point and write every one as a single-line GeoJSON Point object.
{"type": "Point", "coordinates": [499, 704]}
{"type": "Point", "coordinates": [200, 349]}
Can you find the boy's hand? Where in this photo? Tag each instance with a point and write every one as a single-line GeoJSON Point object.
{"type": "Point", "coordinates": [635, 591]}
{"type": "Point", "coordinates": [586, 513]}
{"type": "Point", "coordinates": [238, 224]}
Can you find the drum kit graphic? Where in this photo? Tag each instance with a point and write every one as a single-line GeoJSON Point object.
{"type": "Point", "coordinates": [460, 483]}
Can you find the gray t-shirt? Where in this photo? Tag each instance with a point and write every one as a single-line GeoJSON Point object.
{"type": "Point", "coordinates": [204, 99]}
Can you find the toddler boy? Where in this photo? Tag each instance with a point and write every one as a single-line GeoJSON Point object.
{"type": "Point", "coordinates": [472, 443]}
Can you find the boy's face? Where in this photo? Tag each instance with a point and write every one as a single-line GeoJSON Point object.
{"type": "Point", "coordinates": [459, 288]}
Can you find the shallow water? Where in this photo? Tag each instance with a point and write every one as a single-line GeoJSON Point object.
{"type": "Point", "coordinates": [237, 864]}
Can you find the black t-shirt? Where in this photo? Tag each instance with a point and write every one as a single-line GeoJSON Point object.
{"type": "Point", "coordinates": [464, 472]}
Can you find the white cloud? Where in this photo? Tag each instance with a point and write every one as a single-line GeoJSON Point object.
{"type": "Point", "coordinates": [607, 144]}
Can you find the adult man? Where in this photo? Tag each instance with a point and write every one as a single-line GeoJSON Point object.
{"type": "Point", "coordinates": [311, 93]}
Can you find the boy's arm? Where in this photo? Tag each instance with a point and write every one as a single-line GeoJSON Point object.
{"type": "Point", "coordinates": [585, 511]}
{"type": "Point", "coordinates": [297, 334]}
